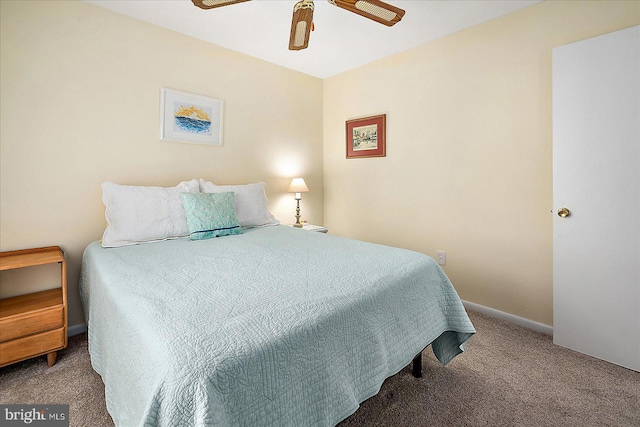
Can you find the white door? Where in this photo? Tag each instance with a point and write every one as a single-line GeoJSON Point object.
{"type": "Point", "coordinates": [596, 176]}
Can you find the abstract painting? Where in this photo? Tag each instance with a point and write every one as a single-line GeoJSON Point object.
{"type": "Point", "coordinates": [187, 117]}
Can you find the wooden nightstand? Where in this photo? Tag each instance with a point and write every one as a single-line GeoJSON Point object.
{"type": "Point", "coordinates": [316, 228]}
{"type": "Point", "coordinates": [33, 324]}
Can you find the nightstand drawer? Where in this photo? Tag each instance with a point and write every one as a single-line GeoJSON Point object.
{"type": "Point", "coordinates": [27, 324]}
{"type": "Point", "coordinates": [34, 345]}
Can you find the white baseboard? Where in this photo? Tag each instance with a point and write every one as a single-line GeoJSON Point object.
{"type": "Point", "coordinates": [77, 329]}
{"type": "Point", "coordinates": [511, 318]}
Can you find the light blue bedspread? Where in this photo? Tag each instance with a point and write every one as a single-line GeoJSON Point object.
{"type": "Point", "coordinates": [274, 327]}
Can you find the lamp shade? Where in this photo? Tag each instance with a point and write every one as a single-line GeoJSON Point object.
{"type": "Point", "coordinates": [298, 186]}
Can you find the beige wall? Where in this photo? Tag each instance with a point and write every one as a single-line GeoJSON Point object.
{"type": "Point", "coordinates": [468, 166]}
{"type": "Point", "coordinates": [80, 89]}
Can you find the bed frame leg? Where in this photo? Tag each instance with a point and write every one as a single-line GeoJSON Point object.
{"type": "Point", "coordinates": [417, 366]}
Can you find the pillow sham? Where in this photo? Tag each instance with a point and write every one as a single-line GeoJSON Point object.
{"type": "Point", "coordinates": [252, 206]}
{"type": "Point", "coordinates": [210, 215]}
{"type": "Point", "coordinates": [140, 214]}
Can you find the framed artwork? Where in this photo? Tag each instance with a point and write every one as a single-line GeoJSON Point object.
{"type": "Point", "coordinates": [187, 117]}
{"type": "Point", "coordinates": [366, 137]}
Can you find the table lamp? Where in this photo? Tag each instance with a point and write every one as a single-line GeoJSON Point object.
{"type": "Point", "coordinates": [298, 186]}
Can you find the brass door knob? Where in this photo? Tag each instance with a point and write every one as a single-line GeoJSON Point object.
{"type": "Point", "coordinates": [564, 212]}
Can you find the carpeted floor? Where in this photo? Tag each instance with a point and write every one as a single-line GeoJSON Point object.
{"type": "Point", "coordinates": [509, 376]}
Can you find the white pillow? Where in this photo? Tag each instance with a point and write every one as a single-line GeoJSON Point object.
{"type": "Point", "coordinates": [252, 206]}
{"type": "Point", "coordinates": [137, 214]}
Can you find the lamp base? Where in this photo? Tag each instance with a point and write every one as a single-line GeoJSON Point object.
{"type": "Point", "coordinates": [297, 224]}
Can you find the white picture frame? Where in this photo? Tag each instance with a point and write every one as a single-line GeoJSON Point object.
{"type": "Point", "coordinates": [187, 117]}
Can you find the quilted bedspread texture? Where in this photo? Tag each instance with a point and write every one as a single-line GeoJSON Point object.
{"type": "Point", "coordinates": [274, 327]}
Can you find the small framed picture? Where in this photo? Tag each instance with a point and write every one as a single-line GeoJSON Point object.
{"type": "Point", "coordinates": [366, 137]}
{"type": "Point", "coordinates": [187, 117]}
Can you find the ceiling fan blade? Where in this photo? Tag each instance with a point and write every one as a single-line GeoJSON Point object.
{"type": "Point", "coordinates": [210, 4]}
{"type": "Point", "coordinates": [376, 10]}
{"type": "Point", "coordinates": [301, 25]}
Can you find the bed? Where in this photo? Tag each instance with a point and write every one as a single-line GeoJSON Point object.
{"type": "Point", "coordinates": [202, 310]}
{"type": "Point", "coordinates": [276, 326]}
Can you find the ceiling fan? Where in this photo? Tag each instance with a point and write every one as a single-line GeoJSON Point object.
{"type": "Point", "coordinates": [302, 21]}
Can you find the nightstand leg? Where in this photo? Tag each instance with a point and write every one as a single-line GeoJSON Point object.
{"type": "Point", "coordinates": [51, 358]}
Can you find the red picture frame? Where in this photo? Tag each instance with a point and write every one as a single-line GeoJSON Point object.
{"type": "Point", "coordinates": [366, 137]}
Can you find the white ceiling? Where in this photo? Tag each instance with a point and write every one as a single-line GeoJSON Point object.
{"type": "Point", "coordinates": [341, 41]}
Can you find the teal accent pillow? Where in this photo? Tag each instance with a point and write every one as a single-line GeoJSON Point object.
{"type": "Point", "coordinates": [210, 215]}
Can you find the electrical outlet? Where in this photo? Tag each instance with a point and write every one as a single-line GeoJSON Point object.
{"type": "Point", "coordinates": [441, 257]}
